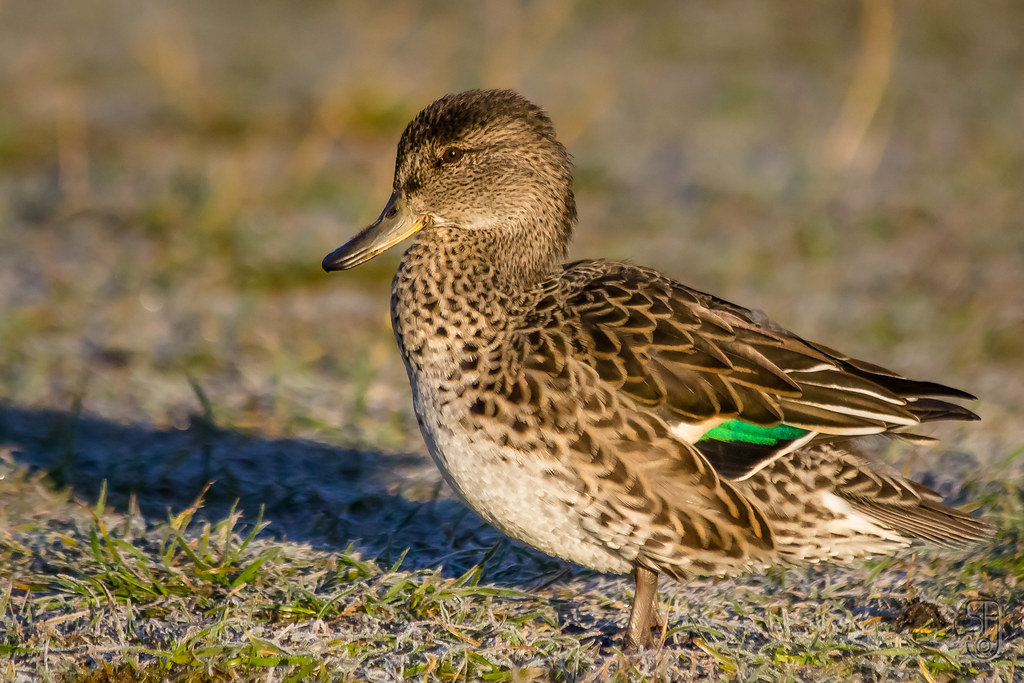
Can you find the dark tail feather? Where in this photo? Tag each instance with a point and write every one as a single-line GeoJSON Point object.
{"type": "Point", "coordinates": [911, 389]}
{"type": "Point", "coordinates": [932, 522]}
{"type": "Point", "coordinates": [933, 409]}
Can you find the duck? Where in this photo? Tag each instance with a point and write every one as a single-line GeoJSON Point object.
{"type": "Point", "coordinates": [606, 414]}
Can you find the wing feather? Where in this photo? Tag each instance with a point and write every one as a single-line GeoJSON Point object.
{"type": "Point", "coordinates": [693, 357]}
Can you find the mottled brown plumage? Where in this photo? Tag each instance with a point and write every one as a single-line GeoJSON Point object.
{"type": "Point", "coordinates": [606, 414]}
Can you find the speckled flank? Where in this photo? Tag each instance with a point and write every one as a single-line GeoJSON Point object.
{"type": "Point", "coordinates": [580, 407]}
{"type": "Point", "coordinates": [516, 403]}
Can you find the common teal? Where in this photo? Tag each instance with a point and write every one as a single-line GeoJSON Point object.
{"type": "Point", "coordinates": [606, 414]}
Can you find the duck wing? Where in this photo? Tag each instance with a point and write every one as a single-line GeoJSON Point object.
{"type": "Point", "coordinates": [738, 385]}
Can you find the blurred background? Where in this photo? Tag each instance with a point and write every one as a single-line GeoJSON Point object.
{"type": "Point", "coordinates": [171, 174]}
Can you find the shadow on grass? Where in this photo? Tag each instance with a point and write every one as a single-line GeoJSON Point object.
{"type": "Point", "coordinates": [314, 493]}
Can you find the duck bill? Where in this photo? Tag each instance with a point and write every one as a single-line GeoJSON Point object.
{"type": "Point", "coordinates": [396, 223]}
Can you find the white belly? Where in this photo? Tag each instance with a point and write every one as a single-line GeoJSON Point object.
{"type": "Point", "coordinates": [513, 493]}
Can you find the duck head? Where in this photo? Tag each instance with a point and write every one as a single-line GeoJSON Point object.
{"type": "Point", "coordinates": [484, 163]}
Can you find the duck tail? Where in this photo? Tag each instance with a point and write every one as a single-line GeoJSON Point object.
{"type": "Point", "coordinates": [829, 504]}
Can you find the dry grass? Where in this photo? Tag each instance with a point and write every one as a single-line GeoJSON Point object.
{"type": "Point", "coordinates": [171, 175]}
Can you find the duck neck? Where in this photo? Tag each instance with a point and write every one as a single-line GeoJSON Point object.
{"type": "Point", "coordinates": [511, 259]}
{"type": "Point", "coordinates": [521, 257]}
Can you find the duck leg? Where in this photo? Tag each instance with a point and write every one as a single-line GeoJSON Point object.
{"type": "Point", "coordinates": [645, 610]}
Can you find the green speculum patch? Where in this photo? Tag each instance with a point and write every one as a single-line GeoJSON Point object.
{"type": "Point", "coordinates": [738, 430]}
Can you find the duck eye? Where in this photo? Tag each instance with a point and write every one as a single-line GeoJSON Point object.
{"type": "Point", "coordinates": [452, 154]}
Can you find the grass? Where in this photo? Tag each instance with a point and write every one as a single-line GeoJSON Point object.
{"type": "Point", "coordinates": [93, 594]}
{"type": "Point", "coordinates": [171, 175]}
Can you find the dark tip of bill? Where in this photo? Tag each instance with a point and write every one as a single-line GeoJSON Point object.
{"type": "Point", "coordinates": [330, 261]}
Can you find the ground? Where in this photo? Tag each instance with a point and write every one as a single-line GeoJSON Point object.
{"type": "Point", "coordinates": [171, 175]}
